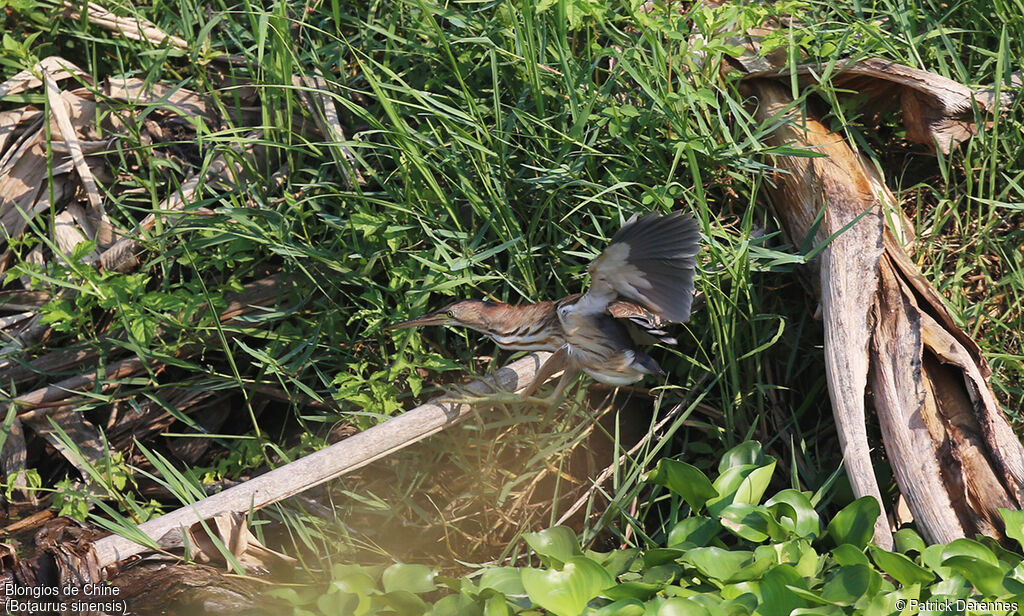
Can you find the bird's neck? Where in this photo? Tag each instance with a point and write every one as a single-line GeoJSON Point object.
{"type": "Point", "coordinates": [525, 327]}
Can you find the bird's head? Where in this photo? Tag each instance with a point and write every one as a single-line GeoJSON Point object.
{"type": "Point", "coordinates": [464, 313]}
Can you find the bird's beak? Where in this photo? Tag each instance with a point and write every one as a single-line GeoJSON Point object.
{"type": "Point", "coordinates": [434, 318]}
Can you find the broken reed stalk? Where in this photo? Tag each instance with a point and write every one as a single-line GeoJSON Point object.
{"type": "Point", "coordinates": [342, 457]}
{"type": "Point", "coordinates": [952, 451]}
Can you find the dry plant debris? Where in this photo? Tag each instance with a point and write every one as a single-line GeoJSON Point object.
{"type": "Point", "coordinates": [948, 442]}
{"type": "Point", "coordinates": [56, 165]}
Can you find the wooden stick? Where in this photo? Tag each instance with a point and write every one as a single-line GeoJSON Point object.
{"type": "Point", "coordinates": [328, 463]}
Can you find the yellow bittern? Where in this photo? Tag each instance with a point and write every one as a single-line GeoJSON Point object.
{"type": "Point", "coordinates": [640, 282]}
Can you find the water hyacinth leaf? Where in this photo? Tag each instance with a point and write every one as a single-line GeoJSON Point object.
{"type": "Point", "coordinates": [848, 554]}
{"type": "Point", "coordinates": [978, 564]}
{"type": "Point", "coordinates": [752, 522]}
{"type": "Point", "coordinates": [342, 602]}
{"type": "Point", "coordinates": [747, 453]}
{"type": "Point", "coordinates": [908, 540]}
{"type": "Point", "coordinates": [497, 606]}
{"type": "Point", "coordinates": [633, 590]}
{"type": "Point", "coordinates": [662, 574]}
{"type": "Point", "coordinates": [554, 545]}
{"type": "Point", "coordinates": [855, 524]}
{"type": "Point", "coordinates": [1014, 521]}
{"type": "Point", "coordinates": [660, 556]}
{"type": "Point", "coordinates": [850, 584]}
{"type": "Point", "coordinates": [740, 484]}
{"type": "Point", "coordinates": [615, 562]}
{"type": "Point", "coordinates": [811, 597]}
{"type": "Point", "coordinates": [356, 583]}
{"type": "Point", "coordinates": [797, 552]}
{"type": "Point", "coordinates": [678, 606]}
{"type": "Point", "coordinates": [566, 591]}
{"type": "Point", "coordinates": [793, 510]}
{"type": "Point", "coordinates": [985, 577]}
{"type": "Point", "coordinates": [727, 566]}
{"type": "Point", "coordinates": [899, 567]}
{"type": "Point", "coordinates": [454, 605]}
{"type": "Point", "coordinates": [624, 607]}
{"type": "Point", "coordinates": [694, 531]}
{"type": "Point", "coordinates": [932, 557]}
{"type": "Point", "coordinates": [775, 591]}
{"type": "Point", "coordinates": [685, 480]}
{"type": "Point", "coordinates": [1014, 580]}
{"type": "Point", "coordinates": [412, 578]}
{"type": "Point", "coordinates": [505, 580]}
{"type": "Point", "coordinates": [971, 549]}
{"type": "Point", "coordinates": [404, 602]}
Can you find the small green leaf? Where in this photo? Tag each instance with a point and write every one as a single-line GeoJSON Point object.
{"type": "Point", "coordinates": [849, 584]}
{"type": "Point", "coordinates": [752, 522]}
{"type": "Point", "coordinates": [566, 592]}
{"type": "Point", "coordinates": [847, 555]}
{"type": "Point", "coordinates": [505, 580]}
{"type": "Point", "coordinates": [624, 607]}
{"type": "Point", "coordinates": [977, 563]}
{"type": "Point", "coordinates": [747, 453]}
{"type": "Point", "coordinates": [793, 509]}
{"type": "Point", "coordinates": [694, 530]}
{"type": "Point", "coordinates": [685, 480]}
{"type": "Point", "coordinates": [455, 605]}
{"type": "Point", "coordinates": [855, 524]}
{"type": "Point", "coordinates": [901, 568]}
{"type": "Point", "coordinates": [411, 578]}
{"type": "Point", "coordinates": [662, 575]}
{"type": "Point", "coordinates": [775, 591]}
{"type": "Point", "coordinates": [616, 561]}
{"type": "Point", "coordinates": [1014, 521]}
{"type": "Point", "coordinates": [678, 606]}
{"type": "Point", "coordinates": [741, 484]}
{"type": "Point", "coordinates": [633, 590]}
{"type": "Point", "coordinates": [907, 540]}
{"type": "Point", "coordinates": [403, 602]}
{"type": "Point", "coordinates": [556, 545]}
{"type": "Point", "coordinates": [726, 566]}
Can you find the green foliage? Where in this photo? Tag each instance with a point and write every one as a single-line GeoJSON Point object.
{"type": "Point", "coordinates": [735, 568]}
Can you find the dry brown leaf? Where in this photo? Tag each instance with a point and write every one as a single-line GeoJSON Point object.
{"type": "Point", "coordinates": [88, 451]}
{"type": "Point", "coordinates": [68, 131]}
{"type": "Point", "coordinates": [11, 121]}
{"type": "Point", "coordinates": [59, 68]}
{"type": "Point", "coordinates": [232, 532]}
{"type": "Point", "coordinates": [181, 101]}
{"type": "Point", "coordinates": [134, 28]}
{"type": "Point", "coordinates": [121, 255]}
{"type": "Point", "coordinates": [13, 460]}
{"type": "Point", "coordinates": [935, 110]}
{"type": "Point", "coordinates": [320, 104]}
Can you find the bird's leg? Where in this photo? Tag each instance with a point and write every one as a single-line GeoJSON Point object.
{"type": "Point", "coordinates": [559, 360]}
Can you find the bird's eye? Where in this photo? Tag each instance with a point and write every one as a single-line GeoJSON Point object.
{"type": "Point", "coordinates": [450, 314]}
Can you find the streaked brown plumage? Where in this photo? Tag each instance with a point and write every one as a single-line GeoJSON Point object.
{"type": "Point", "coordinates": [640, 282]}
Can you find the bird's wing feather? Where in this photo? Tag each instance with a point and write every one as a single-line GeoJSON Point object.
{"type": "Point", "coordinates": [650, 261]}
{"type": "Point", "coordinates": [644, 326]}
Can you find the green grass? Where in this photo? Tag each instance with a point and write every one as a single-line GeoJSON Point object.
{"type": "Point", "coordinates": [502, 145]}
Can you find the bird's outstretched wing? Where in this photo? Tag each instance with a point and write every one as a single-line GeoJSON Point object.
{"type": "Point", "coordinates": [651, 262]}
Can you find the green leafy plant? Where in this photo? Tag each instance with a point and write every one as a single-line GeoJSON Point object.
{"type": "Point", "coordinates": [730, 552]}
